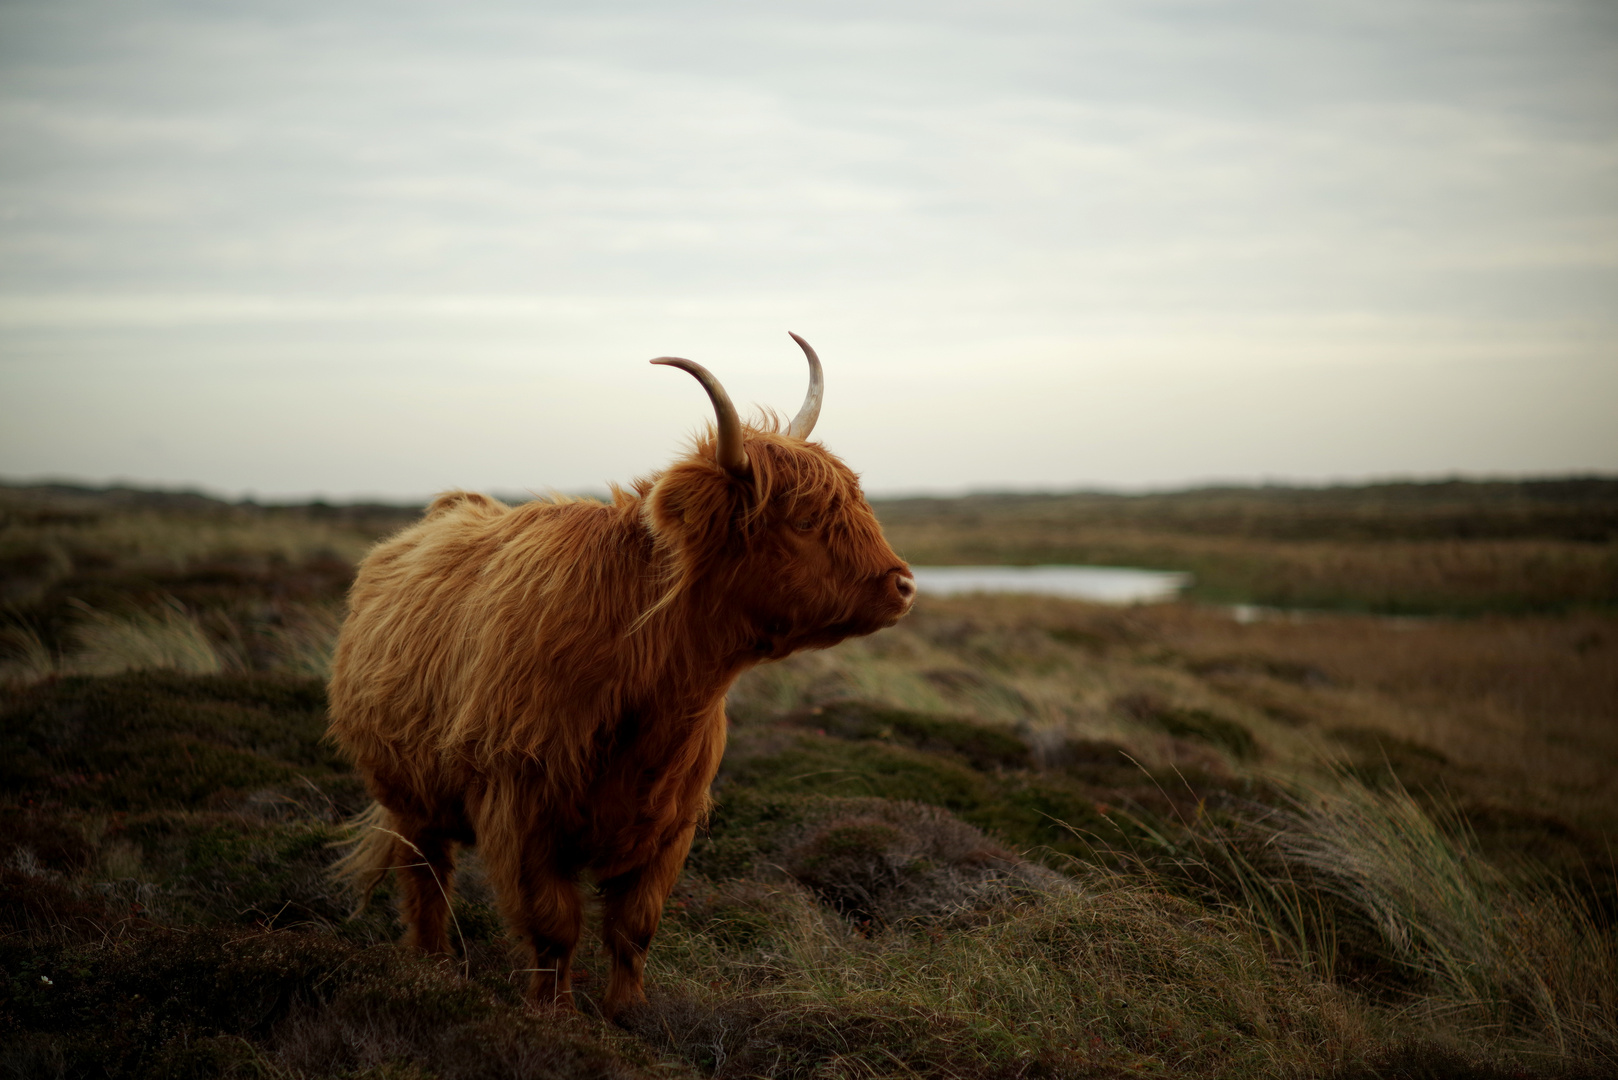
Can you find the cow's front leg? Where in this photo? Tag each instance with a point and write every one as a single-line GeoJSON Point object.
{"type": "Point", "coordinates": [550, 922]}
{"type": "Point", "coordinates": [632, 906]}
{"type": "Point", "coordinates": [538, 892]}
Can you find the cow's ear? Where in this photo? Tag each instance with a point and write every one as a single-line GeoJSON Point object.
{"type": "Point", "coordinates": [692, 505]}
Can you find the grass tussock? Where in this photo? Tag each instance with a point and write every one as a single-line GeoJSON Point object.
{"type": "Point", "coordinates": [1378, 889]}
{"type": "Point", "coordinates": [1537, 959]}
{"type": "Point", "coordinates": [169, 639]}
{"type": "Point", "coordinates": [295, 639]}
{"type": "Point", "coordinates": [1106, 976]}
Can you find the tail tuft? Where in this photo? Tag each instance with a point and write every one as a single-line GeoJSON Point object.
{"type": "Point", "coordinates": [370, 838]}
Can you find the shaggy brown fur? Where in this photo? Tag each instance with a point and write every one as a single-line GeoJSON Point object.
{"type": "Point", "coordinates": [548, 682]}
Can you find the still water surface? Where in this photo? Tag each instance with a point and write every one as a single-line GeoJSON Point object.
{"type": "Point", "coordinates": [1105, 584]}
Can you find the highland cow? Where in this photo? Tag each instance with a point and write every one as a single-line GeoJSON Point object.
{"type": "Point", "coordinates": [548, 681]}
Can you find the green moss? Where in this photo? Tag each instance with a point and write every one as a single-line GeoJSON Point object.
{"type": "Point", "coordinates": [819, 764]}
{"type": "Point", "coordinates": [1039, 814]}
{"type": "Point", "coordinates": [1025, 809]}
{"type": "Point", "coordinates": [745, 824]}
{"type": "Point", "coordinates": [1034, 811]}
{"type": "Point", "coordinates": [735, 915]}
{"type": "Point", "coordinates": [979, 745]}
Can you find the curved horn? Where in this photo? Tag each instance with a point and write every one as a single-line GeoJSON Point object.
{"type": "Point", "coordinates": [804, 422]}
{"type": "Point", "coordinates": [729, 452]}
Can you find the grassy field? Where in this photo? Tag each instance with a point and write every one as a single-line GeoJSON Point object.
{"type": "Point", "coordinates": [1010, 837]}
{"type": "Point", "coordinates": [1442, 548]}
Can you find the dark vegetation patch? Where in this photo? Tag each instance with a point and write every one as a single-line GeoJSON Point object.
{"type": "Point", "coordinates": [51, 600]}
{"type": "Point", "coordinates": [66, 550]}
{"type": "Point", "coordinates": [1580, 509]}
{"type": "Point", "coordinates": [1417, 1059]}
{"type": "Point", "coordinates": [38, 903]}
{"type": "Point", "coordinates": [748, 1036]}
{"type": "Point", "coordinates": [214, 868]}
{"type": "Point", "coordinates": [1064, 809]}
{"type": "Point", "coordinates": [1027, 811]}
{"type": "Point", "coordinates": [50, 837]}
{"type": "Point", "coordinates": [1096, 762]}
{"type": "Point", "coordinates": [163, 913]}
{"type": "Point", "coordinates": [1546, 853]}
{"type": "Point", "coordinates": [976, 744]}
{"type": "Point", "coordinates": [1290, 671]}
{"type": "Point", "coordinates": [1203, 725]}
{"type": "Point", "coordinates": [1379, 758]}
{"type": "Point", "coordinates": [875, 861]}
{"type": "Point", "coordinates": [199, 1002]}
{"type": "Point", "coordinates": [1081, 638]}
{"type": "Point", "coordinates": [153, 740]}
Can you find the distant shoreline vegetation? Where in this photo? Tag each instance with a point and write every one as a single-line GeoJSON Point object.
{"type": "Point", "coordinates": [1446, 547]}
{"type": "Point", "coordinates": [1455, 547]}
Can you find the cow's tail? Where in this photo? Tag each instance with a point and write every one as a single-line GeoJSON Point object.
{"type": "Point", "coordinates": [369, 839]}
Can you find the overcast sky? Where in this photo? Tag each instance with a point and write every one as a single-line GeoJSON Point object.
{"type": "Point", "coordinates": [388, 248]}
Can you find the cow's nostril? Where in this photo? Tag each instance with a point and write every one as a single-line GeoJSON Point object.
{"type": "Point", "coordinates": [906, 586]}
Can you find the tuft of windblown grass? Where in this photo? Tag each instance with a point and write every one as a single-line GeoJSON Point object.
{"type": "Point", "coordinates": [1534, 960]}
{"type": "Point", "coordinates": [1327, 871]}
{"type": "Point", "coordinates": [168, 639]}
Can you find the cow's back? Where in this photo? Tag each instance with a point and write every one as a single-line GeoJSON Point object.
{"type": "Point", "coordinates": [386, 697]}
{"type": "Point", "coordinates": [440, 659]}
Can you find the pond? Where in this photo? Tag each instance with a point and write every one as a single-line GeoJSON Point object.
{"type": "Point", "coordinates": [1103, 584]}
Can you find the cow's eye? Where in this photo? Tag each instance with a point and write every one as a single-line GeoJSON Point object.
{"type": "Point", "coordinates": [805, 524]}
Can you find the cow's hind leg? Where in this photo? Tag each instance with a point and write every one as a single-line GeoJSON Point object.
{"type": "Point", "coordinates": [632, 906]}
{"type": "Point", "coordinates": [424, 860]}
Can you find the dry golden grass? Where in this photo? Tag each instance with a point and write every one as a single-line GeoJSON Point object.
{"type": "Point", "coordinates": [1525, 708]}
